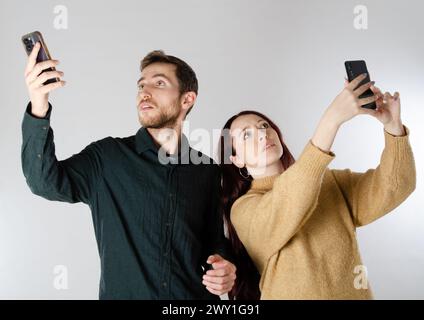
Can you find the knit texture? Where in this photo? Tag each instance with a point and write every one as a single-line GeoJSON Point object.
{"type": "Point", "coordinates": [299, 227]}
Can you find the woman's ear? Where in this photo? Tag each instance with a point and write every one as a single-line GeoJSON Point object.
{"type": "Point", "coordinates": [236, 161]}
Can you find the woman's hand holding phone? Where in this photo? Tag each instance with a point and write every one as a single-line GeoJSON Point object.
{"type": "Point", "coordinates": [35, 77]}
{"type": "Point", "coordinates": [387, 111]}
{"type": "Point", "coordinates": [344, 107]}
{"type": "Point", "coordinates": [347, 104]}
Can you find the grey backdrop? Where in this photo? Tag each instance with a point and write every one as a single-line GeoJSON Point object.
{"type": "Point", "coordinates": [284, 58]}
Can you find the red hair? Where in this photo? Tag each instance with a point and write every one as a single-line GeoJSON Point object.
{"type": "Point", "coordinates": [246, 286]}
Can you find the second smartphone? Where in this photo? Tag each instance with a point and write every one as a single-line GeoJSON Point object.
{"type": "Point", "coordinates": [353, 69]}
{"type": "Point", "coordinates": [29, 40]}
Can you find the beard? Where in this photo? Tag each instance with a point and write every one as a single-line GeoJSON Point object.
{"type": "Point", "coordinates": [165, 117]}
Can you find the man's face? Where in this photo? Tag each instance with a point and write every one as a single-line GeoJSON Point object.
{"type": "Point", "coordinates": [158, 98]}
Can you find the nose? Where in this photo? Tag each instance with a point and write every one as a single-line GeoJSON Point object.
{"type": "Point", "coordinates": [144, 94]}
{"type": "Point", "coordinates": [263, 134]}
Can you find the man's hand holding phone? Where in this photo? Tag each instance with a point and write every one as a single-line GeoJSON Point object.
{"type": "Point", "coordinates": [35, 77]}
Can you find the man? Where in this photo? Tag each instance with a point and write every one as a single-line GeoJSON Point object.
{"type": "Point", "coordinates": [154, 211]}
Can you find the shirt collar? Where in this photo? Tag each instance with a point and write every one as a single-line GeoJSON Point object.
{"type": "Point", "coordinates": [144, 142]}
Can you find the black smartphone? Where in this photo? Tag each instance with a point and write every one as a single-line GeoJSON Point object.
{"type": "Point", "coordinates": [355, 68]}
{"type": "Point", "coordinates": [29, 40]}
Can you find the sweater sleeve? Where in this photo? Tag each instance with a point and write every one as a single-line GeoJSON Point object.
{"type": "Point", "coordinates": [376, 192]}
{"type": "Point", "coordinates": [266, 222]}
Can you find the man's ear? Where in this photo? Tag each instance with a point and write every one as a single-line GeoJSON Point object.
{"type": "Point", "coordinates": [188, 100]}
{"type": "Point", "coordinates": [235, 160]}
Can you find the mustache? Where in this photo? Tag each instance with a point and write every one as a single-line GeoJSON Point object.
{"type": "Point", "coordinates": [148, 101]}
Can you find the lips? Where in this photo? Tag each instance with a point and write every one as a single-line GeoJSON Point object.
{"type": "Point", "coordinates": [269, 145]}
{"type": "Point", "coordinates": [143, 106]}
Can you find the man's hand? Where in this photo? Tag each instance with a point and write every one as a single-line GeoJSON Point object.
{"type": "Point", "coordinates": [221, 279]}
{"type": "Point", "coordinates": [34, 78]}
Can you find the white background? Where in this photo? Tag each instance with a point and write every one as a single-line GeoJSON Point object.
{"type": "Point", "coordinates": [283, 58]}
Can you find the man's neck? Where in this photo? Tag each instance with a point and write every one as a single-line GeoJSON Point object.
{"type": "Point", "coordinates": [167, 138]}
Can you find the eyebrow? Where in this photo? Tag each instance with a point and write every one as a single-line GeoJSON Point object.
{"type": "Point", "coordinates": [157, 75]}
{"type": "Point", "coordinates": [248, 127]}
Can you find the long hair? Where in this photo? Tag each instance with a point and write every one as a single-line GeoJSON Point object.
{"type": "Point", "coordinates": [234, 185]}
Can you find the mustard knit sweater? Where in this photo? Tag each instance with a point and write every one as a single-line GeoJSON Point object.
{"type": "Point", "coordinates": [299, 226]}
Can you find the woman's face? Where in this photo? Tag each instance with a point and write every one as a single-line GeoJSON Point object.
{"type": "Point", "coordinates": [255, 142]}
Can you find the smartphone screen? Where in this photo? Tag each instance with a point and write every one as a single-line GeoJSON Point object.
{"type": "Point", "coordinates": [355, 68]}
{"type": "Point", "coordinates": [29, 40]}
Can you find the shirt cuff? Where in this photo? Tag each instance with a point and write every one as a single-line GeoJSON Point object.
{"type": "Point", "coordinates": [32, 124]}
{"type": "Point", "coordinates": [46, 117]}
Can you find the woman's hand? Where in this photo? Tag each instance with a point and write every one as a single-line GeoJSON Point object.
{"type": "Point", "coordinates": [388, 111]}
{"type": "Point", "coordinates": [347, 104]}
{"type": "Point", "coordinates": [344, 107]}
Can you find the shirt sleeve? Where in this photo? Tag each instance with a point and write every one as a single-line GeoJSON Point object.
{"type": "Point", "coordinates": [216, 242]}
{"type": "Point", "coordinates": [71, 180]}
{"type": "Point", "coordinates": [374, 193]}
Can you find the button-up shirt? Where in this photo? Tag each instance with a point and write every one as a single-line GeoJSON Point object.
{"type": "Point", "coordinates": [155, 222]}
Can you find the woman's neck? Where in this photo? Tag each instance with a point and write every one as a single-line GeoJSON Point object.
{"type": "Point", "coordinates": [270, 170]}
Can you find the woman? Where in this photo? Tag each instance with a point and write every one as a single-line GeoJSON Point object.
{"type": "Point", "coordinates": [292, 224]}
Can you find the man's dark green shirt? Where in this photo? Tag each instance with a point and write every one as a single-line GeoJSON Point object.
{"type": "Point", "coordinates": [155, 223]}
